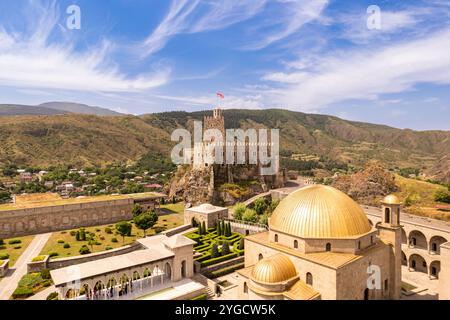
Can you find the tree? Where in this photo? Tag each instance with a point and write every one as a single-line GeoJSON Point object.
{"type": "Point", "coordinates": [264, 219]}
{"type": "Point", "coordinates": [146, 221]}
{"type": "Point", "coordinates": [214, 251]}
{"type": "Point", "coordinates": [442, 196]}
{"type": "Point", "coordinates": [225, 248]}
{"type": "Point", "coordinates": [260, 205]}
{"type": "Point", "coordinates": [250, 215]}
{"type": "Point", "coordinates": [218, 229]}
{"type": "Point", "coordinates": [239, 210]}
{"type": "Point", "coordinates": [137, 210]}
{"type": "Point", "coordinates": [84, 250]}
{"type": "Point", "coordinates": [204, 228]}
{"type": "Point", "coordinates": [241, 244]}
{"type": "Point", "coordinates": [124, 229]}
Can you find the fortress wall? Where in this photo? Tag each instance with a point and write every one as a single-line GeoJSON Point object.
{"type": "Point", "coordinates": [22, 222]}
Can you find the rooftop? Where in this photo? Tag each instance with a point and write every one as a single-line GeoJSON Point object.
{"type": "Point", "coordinates": [50, 200]}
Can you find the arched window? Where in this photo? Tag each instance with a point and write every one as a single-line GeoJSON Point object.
{"type": "Point", "coordinates": [260, 257]}
{"type": "Point", "coordinates": [359, 245]}
{"type": "Point", "coordinates": [387, 215]}
{"type": "Point", "coordinates": [414, 241]}
{"type": "Point", "coordinates": [366, 294]}
{"type": "Point", "coordinates": [386, 285]}
{"type": "Point", "coordinates": [434, 247]}
{"type": "Point", "coordinates": [295, 244]}
{"type": "Point", "coordinates": [328, 247]}
{"type": "Point", "coordinates": [276, 238]}
{"type": "Point", "coordinates": [309, 279]}
{"type": "Point", "coordinates": [245, 287]}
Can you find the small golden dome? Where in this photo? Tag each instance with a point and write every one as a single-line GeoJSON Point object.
{"type": "Point", "coordinates": [391, 199]}
{"type": "Point", "coordinates": [319, 211]}
{"type": "Point", "coordinates": [274, 269]}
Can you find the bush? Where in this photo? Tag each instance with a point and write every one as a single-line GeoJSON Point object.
{"type": "Point", "coordinates": [442, 196]}
{"type": "Point", "coordinates": [45, 274]}
{"type": "Point", "coordinates": [108, 230]}
{"type": "Point", "coordinates": [114, 240]}
{"type": "Point", "coordinates": [97, 230]}
{"type": "Point", "coordinates": [46, 283]}
{"type": "Point", "coordinates": [61, 241]}
{"type": "Point", "coordinates": [4, 256]}
{"type": "Point", "coordinates": [66, 246]}
{"type": "Point", "coordinates": [52, 296]}
{"type": "Point", "coordinates": [17, 247]}
{"type": "Point", "coordinates": [250, 215]}
{"type": "Point", "coordinates": [260, 205]}
{"type": "Point", "coordinates": [15, 241]}
{"type": "Point", "coordinates": [22, 293]}
{"type": "Point", "coordinates": [214, 251]}
{"type": "Point", "coordinates": [84, 250]}
{"type": "Point", "coordinates": [2, 242]}
{"type": "Point", "coordinates": [53, 254]}
{"type": "Point", "coordinates": [239, 210]}
{"type": "Point", "coordinates": [225, 248]}
{"type": "Point", "coordinates": [102, 238]}
{"type": "Point", "coordinates": [39, 258]}
{"type": "Point", "coordinates": [73, 233]}
{"type": "Point", "coordinates": [108, 248]}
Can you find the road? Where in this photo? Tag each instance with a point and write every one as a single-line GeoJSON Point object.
{"type": "Point", "coordinates": [9, 283]}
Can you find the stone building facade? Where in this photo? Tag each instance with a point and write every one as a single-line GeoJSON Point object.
{"type": "Point", "coordinates": [205, 213]}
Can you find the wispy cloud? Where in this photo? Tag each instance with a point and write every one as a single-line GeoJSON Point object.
{"type": "Point", "coordinates": [194, 16]}
{"type": "Point", "coordinates": [31, 60]}
{"type": "Point", "coordinates": [364, 74]}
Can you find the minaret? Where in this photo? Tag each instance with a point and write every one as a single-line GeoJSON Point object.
{"type": "Point", "coordinates": [391, 233]}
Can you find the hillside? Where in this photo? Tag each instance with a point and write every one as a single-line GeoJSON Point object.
{"type": "Point", "coordinates": [20, 110]}
{"type": "Point", "coordinates": [87, 139]}
{"type": "Point", "coordinates": [79, 108]}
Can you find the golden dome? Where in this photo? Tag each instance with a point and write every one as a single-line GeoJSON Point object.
{"type": "Point", "coordinates": [391, 199]}
{"type": "Point", "coordinates": [319, 211]}
{"type": "Point", "coordinates": [274, 269]}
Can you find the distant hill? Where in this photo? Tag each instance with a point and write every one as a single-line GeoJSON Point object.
{"type": "Point", "coordinates": [88, 139]}
{"type": "Point", "coordinates": [19, 110]}
{"type": "Point", "coordinates": [54, 108]}
{"type": "Point", "coordinates": [79, 108]}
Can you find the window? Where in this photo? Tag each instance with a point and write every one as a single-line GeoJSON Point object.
{"type": "Point", "coordinates": [366, 294]}
{"type": "Point", "coordinates": [386, 285]}
{"type": "Point", "coordinates": [414, 241]}
{"type": "Point", "coordinates": [309, 279]}
{"type": "Point", "coordinates": [276, 238]}
{"type": "Point", "coordinates": [434, 247]}
{"type": "Point", "coordinates": [245, 287]}
{"type": "Point", "coordinates": [359, 245]}
{"type": "Point", "coordinates": [387, 215]}
{"type": "Point", "coordinates": [295, 244]}
{"type": "Point", "coordinates": [260, 257]}
{"type": "Point", "coordinates": [328, 247]}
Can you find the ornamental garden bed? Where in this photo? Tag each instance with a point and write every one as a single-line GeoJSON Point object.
{"type": "Point", "coordinates": [216, 245]}
{"type": "Point", "coordinates": [32, 283]}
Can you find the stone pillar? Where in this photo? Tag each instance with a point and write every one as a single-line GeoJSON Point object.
{"type": "Point", "coordinates": [444, 273]}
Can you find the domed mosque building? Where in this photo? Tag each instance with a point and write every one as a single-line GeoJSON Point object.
{"type": "Point", "coordinates": [320, 245]}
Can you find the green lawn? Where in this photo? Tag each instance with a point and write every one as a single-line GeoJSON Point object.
{"type": "Point", "coordinates": [171, 217]}
{"type": "Point", "coordinates": [15, 250]}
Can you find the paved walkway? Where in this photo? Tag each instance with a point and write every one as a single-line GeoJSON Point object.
{"type": "Point", "coordinates": [420, 280]}
{"type": "Point", "coordinates": [9, 283]}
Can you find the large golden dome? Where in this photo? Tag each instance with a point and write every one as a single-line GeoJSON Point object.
{"type": "Point", "coordinates": [319, 211]}
{"type": "Point", "coordinates": [274, 269]}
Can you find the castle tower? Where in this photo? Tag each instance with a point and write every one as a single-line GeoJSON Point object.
{"type": "Point", "coordinates": [391, 232]}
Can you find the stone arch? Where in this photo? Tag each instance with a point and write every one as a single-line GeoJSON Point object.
{"type": "Point", "coordinates": [309, 279]}
{"type": "Point", "coordinates": [435, 268]}
{"type": "Point", "coordinates": [147, 273]}
{"type": "Point", "coordinates": [85, 290]}
{"type": "Point", "coordinates": [417, 240]}
{"type": "Point", "coordinates": [168, 269]}
{"type": "Point", "coordinates": [404, 259]}
{"type": "Point", "coordinates": [404, 237]}
{"type": "Point", "coordinates": [136, 276]}
{"type": "Point", "coordinates": [435, 243]}
{"type": "Point", "coordinates": [70, 294]}
{"type": "Point", "coordinates": [418, 263]}
{"type": "Point", "coordinates": [183, 269]}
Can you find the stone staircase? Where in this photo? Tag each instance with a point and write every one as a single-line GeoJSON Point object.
{"type": "Point", "coordinates": [209, 293]}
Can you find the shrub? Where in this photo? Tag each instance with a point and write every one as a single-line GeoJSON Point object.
{"type": "Point", "coordinates": [52, 296]}
{"type": "Point", "coordinates": [239, 210]}
{"type": "Point", "coordinates": [214, 251]}
{"type": "Point", "coordinates": [225, 248]}
{"type": "Point", "coordinates": [98, 230]}
{"type": "Point", "coordinates": [442, 196]}
{"type": "Point", "coordinates": [114, 240]}
{"type": "Point", "coordinates": [15, 241]}
{"type": "Point", "coordinates": [102, 238]}
{"type": "Point", "coordinates": [250, 215]}
{"type": "Point", "coordinates": [108, 230]}
{"type": "Point", "coordinates": [66, 246]}
{"type": "Point", "coordinates": [4, 256]}
{"type": "Point", "coordinates": [2, 242]}
{"type": "Point", "coordinates": [17, 247]}
{"type": "Point", "coordinates": [22, 293]}
{"type": "Point", "coordinates": [45, 274]}
{"type": "Point", "coordinates": [73, 233]}
{"type": "Point", "coordinates": [84, 250]}
{"type": "Point", "coordinates": [46, 283]}
{"type": "Point", "coordinates": [53, 254]}
{"type": "Point", "coordinates": [63, 232]}
{"type": "Point", "coordinates": [108, 248]}
{"type": "Point", "coordinates": [61, 241]}
{"type": "Point", "coordinates": [39, 258]}
{"type": "Point", "coordinates": [260, 205]}
{"type": "Point", "coordinates": [2, 247]}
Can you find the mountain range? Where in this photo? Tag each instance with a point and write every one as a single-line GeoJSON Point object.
{"type": "Point", "coordinates": [53, 108]}
{"type": "Point", "coordinates": [86, 139]}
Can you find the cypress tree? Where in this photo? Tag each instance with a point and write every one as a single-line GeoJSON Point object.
{"type": "Point", "coordinates": [214, 251]}
{"type": "Point", "coordinates": [241, 244]}
{"type": "Point", "coordinates": [203, 228]}
{"type": "Point", "coordinates": [225, 248]}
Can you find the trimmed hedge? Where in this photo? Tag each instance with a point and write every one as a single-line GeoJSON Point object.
{"type": "Point", "coordinates": [224, 271]}
{"type": "Point", "coordinates": [15, 241]}
{"type": "Point", "coordinates": [22, 293]}
{"type": "Point", "coordinates": [4, 256]}
{"type": "Point", "coordinates": [38, 258]}
{"type": "Point", "coordinates": [201, 297]}
{"type": "Point", "coordinates": [212, 261]}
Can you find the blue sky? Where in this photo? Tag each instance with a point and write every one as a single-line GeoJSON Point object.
{"type": "Point", "coordinates": [141, 56]}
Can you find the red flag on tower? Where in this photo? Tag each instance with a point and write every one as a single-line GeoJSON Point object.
{"type": "Point", "coordinates": [220, 95]}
